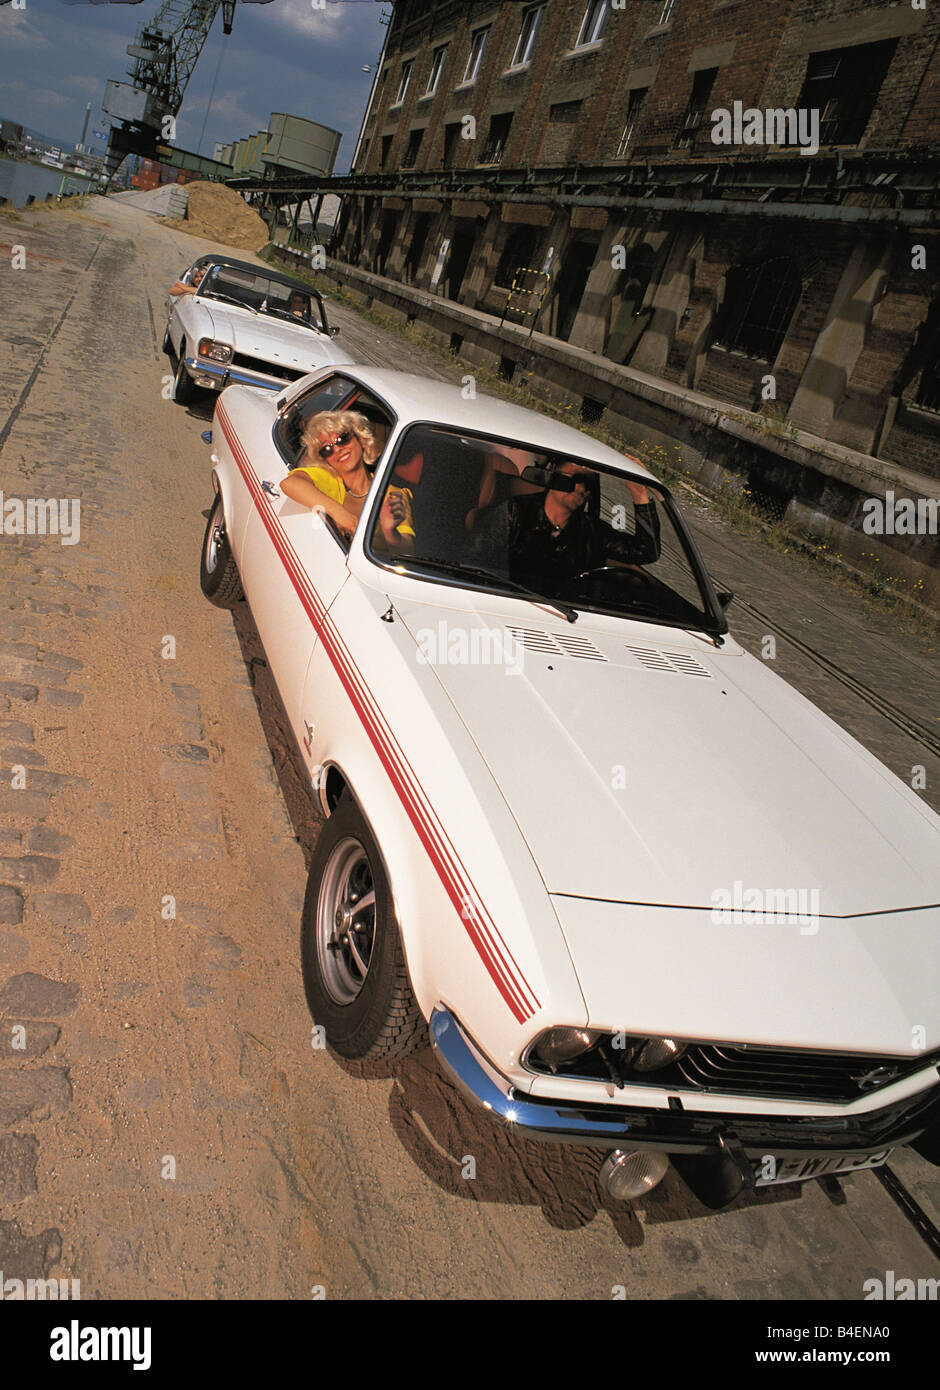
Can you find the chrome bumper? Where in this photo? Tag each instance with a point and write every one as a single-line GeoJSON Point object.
{"type": "Point", "coordinates": [673, 1131]}
{"type": "Point", "coordinates": [232, 376]}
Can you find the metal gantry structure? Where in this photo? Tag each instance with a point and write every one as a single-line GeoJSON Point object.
{"type": "Point", "coordinates": [165, 52]}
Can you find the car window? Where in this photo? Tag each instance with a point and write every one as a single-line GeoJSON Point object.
{"type": "Point", "coordinates": [335, 393]}
{"type": "Point", "coordinates": [480, 517]}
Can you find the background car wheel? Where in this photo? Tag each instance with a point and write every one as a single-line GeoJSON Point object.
{"type": "Point", "coordinates": [184, 389]}
{"type": "Point", "coordinates": [354, 969]}
{"type": "Point", "coordinates": [218, 572]}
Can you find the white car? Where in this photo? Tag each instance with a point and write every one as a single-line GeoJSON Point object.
{"type": "Point", "coordinates": [644, 895]}
{"type": "Point", "coordinates": [245, 324]}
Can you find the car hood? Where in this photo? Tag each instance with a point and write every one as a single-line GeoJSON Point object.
{"type": "Point", "coordinates": [655, 768]}
{"type": "Point", "coordinates": [274, 340]}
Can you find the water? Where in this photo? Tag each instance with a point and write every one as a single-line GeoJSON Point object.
{"type": "Point", "coordinates": [18, 181]}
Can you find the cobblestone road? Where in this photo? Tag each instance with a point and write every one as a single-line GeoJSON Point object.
{"type": "Point", "coordinates": [166, 1128]}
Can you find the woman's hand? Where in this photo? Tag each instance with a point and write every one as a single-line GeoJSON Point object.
{"type": "Point", "coordinates": [391, 516]}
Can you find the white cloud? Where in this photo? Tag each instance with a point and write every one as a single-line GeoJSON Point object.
{"type": "Point", "coordinates": [21, 29]}
{"type": "Point", "coordinates": [303, 18]}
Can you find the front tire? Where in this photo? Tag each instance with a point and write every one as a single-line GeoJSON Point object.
{"type": "Point", "coordinates": [353, 964]}
{"type": "Point", "coordinates": [184, 389]}
{"type": "Point", "coordinates": [218, 573]}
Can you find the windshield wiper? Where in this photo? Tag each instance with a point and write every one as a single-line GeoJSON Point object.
{"type": "Point", "coordinates": [286, 314]}
{"type": "Point", "coordinates": [497, 582]}
{"type": "Point", "coordinates": [230, 299]}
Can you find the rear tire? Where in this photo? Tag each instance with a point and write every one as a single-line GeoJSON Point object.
{"type": "Point", "coordinates": [353, 964]}
{"type": "Point", "coordinates": [218, 573]}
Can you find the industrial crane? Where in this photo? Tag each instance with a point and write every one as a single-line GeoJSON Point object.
{"type": "Point", "coordinates": [165, 51]}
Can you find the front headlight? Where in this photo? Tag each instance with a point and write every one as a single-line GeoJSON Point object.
{"type": "Point", "coordinates": [657, 1053]}
{"type": "Point", "coordinates": [215, 352]}
{"type": "Point", "coordinates": [557, 1045]}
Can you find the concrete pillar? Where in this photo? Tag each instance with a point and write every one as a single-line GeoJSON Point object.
{"type": "Point", "coordinates": [670, 300]}
{"type": "Point", "coordinates": [590, 326]}
{"type": "Point", "coordinates": [836, 351]}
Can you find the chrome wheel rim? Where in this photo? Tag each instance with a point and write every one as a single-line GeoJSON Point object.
{"type": "Point", "coordinates": [215, 537]}
{"type": "Point", "coordinates": [346, 921]}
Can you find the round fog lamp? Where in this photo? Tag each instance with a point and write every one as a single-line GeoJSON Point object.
{"type": "Point", "coordinates": [626, 1175]}
{"type": "Point", "coordinates": [658, 1052]}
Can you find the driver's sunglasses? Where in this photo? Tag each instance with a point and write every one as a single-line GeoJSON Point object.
{"type": "Point", "coordinates": [583, 478]}
{"type": "Point", "coordinates": [339, 442]}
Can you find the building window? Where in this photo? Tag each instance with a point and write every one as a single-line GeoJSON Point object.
{"type": "Point", "coordinates": [496, 139]}
{"type": "Point", "coordinates": [437, 67]}
{"type": "Point", "coordinates": [702, 85]}
{"type": "Point", "coordinates": [526, 42]}
{"type": "Point", "coordinates": [385, 150]}
{"type": "Point", "coordinates": [843, 85]}
{"type": "Point", "coordinates": [410, 157]}
{"type": "Point", "coordinates": [403, 84]}
{"type": "Point", "coordinates": [593, 23]}
{"type": "Point", "coordinates": [760, 299]}
{"type": "Point", "coordinates": [637, 98]}
{"type": "Point", "coordinates": [667, 11]}
{"type": "Point", "coordinates": [476, 53]}
{"type": "Point", "coordinates": [451, 136]}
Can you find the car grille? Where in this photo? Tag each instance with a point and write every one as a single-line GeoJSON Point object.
{"type": "Point", "coordinates": [802, 1075]}
{"type": "Point", "coordinates": [258, 364]}
{"type": "Point", "coordinates": [738, 1069]}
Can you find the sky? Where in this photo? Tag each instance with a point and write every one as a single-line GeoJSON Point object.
{"type": "Point", "coordinates": [304, 57]}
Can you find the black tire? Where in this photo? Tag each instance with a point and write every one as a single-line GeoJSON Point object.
{"type": "Point", "coordinates": [184, 388]}
{"type": "Point", "coordinates": [167, 343]}
{"type": "Point", "coordinates": [218, 573]}
{"type": "Point", "coordinates": [366, 1015]}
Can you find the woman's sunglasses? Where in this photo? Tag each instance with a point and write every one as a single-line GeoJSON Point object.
{"type": "Point", "coordinates": [339, 442]}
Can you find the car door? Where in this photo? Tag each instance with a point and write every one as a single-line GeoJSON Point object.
{"type": "Point", "coordinates": [293, 560]}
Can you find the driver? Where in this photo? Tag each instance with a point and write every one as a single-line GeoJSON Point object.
{"type": "Point", "coordinates": [552, 535]}
{"type": "Point", "coordinates": [298, 305]}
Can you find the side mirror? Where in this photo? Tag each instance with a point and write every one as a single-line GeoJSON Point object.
{"type": "Point", "coordinates": [333, 332]}
{"type": "Point", "coordinates": [724, 597]}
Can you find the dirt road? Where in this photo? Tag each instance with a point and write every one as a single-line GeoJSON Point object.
{"type": "Point", "coordinates": [169, 1130]}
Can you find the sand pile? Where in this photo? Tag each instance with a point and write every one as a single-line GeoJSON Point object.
{"type": "Point", "coordinates": [220, 214]}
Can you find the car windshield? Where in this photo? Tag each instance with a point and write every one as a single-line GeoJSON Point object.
{"type": "Point", "coordinates": [264, 295]}
{"type": "Point", "coordinates": [494, 513]}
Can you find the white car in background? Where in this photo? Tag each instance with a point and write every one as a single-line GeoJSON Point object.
{"type": "Point", "coordinates": [238, 326]}
{"type": "Point", "coordinates": [550, 807]}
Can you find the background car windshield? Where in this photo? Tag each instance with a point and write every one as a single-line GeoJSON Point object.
{"type": "Point", "coordinates": [617, 551]}
{"type": "Point", "coordinates": [262, 294]}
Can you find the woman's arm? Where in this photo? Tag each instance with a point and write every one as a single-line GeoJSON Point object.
{"type": "Point", "coordinates": [300, 488]}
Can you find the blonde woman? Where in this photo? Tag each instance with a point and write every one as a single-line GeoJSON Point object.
{"type": "Point", "coordinates": [335, 476]}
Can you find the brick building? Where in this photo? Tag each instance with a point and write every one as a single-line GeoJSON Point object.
{"type": "Point", "coordinates": [569, 146]}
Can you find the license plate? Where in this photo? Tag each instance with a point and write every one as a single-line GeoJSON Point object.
{"type": "Point", "coordinates": [770, 1170]}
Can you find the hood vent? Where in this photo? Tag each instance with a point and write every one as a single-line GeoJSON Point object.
{"type": "Point", "coordinates": [556, 644]}
{"type": "Point", "coordinates": [679, 663]}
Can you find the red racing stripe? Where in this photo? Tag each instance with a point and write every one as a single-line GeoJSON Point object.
{"type": "Point", "coordinates": [477, 921]}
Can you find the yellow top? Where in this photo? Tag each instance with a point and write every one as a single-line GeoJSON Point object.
{"type": "Point", "coordinates": [334, 487]}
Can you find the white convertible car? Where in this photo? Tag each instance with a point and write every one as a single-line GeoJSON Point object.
{"type": "Point", "coordinates": [642, 894]}
{"type": "Point", "coordinates": [244, 324]}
